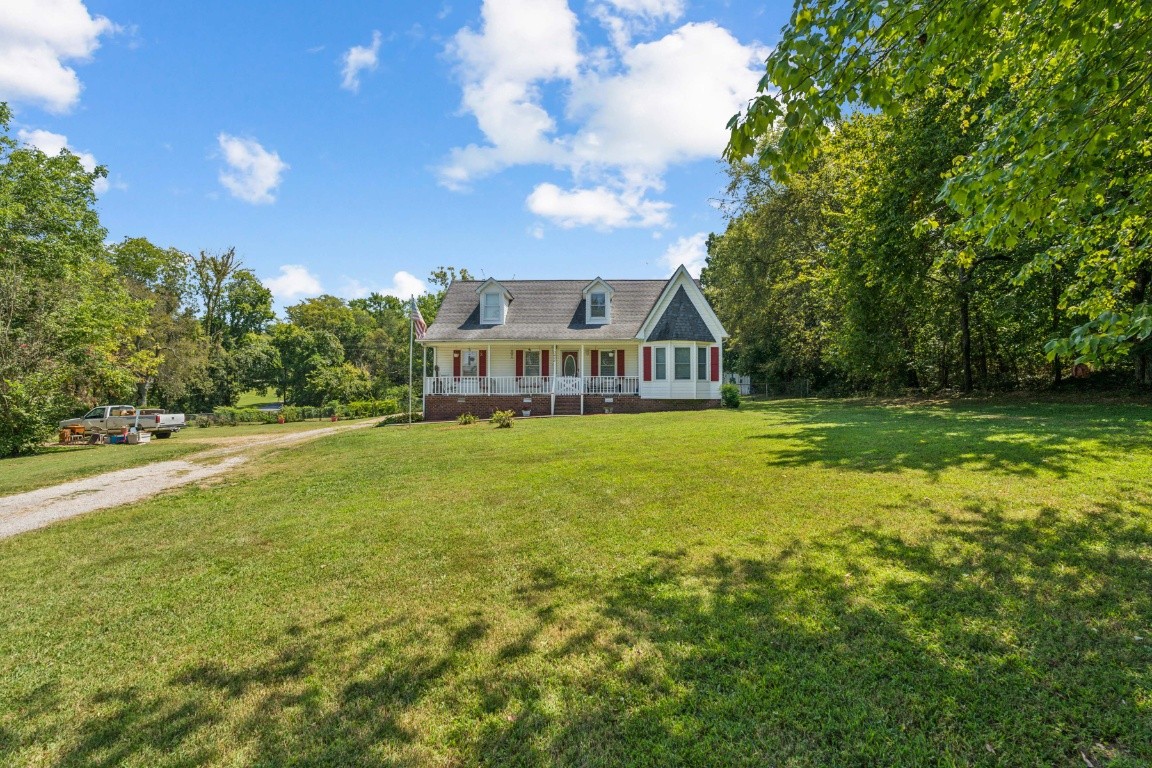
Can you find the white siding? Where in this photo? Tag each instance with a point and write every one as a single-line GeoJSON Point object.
{"type": "Point", "coordinates": [682, 389]}
{"type": "Point", "coordinates": [502, 357]}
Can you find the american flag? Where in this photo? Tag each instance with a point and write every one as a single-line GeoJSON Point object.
{"type": "Point", "coordinates": [418, 323]}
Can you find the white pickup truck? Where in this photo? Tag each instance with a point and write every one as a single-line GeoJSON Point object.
{"type": "Point", "coordinates": [110, 419]}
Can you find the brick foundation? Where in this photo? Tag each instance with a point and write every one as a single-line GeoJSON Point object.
{"type": "Point", "coordinates": [448, 407]}
{"type": "Point", "coordinates": [628, 404]}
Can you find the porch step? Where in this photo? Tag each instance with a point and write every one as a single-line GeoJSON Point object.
{"type": "Point", "coordinates": [567, 406]}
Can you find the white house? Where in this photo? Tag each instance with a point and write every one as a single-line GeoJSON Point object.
{"type": "Point", "coordinates": [573, 347]}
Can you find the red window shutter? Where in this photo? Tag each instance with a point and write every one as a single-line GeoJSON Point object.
{"type": "Point", "coordinates": [715, 363]}
{"type": "Point", "coordinates": [595, 362]}
{"type": "Point", "coordinates": [456, 363]}
{"type": "Point", "coordinates": [519, 362]}
{"type": "Point", "coordinates": [483, 362]}
{"type": "Point", "coordinates": [544, 369]}
{"type": "Point", "coordinates": [619, 362]}
{"type": "Point", "coordinates": [647, 363]}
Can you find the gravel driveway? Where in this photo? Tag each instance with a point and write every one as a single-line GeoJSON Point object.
{"type": "Point", "coordinates": [36, 509]}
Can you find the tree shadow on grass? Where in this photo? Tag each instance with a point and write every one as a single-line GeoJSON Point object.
{"type": "Point", "coordinates": [997, 641]}
{"type": "Point", "coordinates": [1018, 440]}
{"type": "Point", "coordinates": [278, 710]}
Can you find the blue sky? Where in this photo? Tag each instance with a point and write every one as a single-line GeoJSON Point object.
{"type": "Point", "coordinates": [350, 147]}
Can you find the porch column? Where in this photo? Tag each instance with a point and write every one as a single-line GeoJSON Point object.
{"type": "Point", "coordinates": [581, 379]}
{"type": "Point", "coordinates": [552, 377]}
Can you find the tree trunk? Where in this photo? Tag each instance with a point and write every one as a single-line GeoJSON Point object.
{"type": "Point", "coordinates": [1057, 372]}
{"type": "Point", "coordinates": [985, 337]}
{"type": "Point", "coordinates": [965, 331]}
{"type": "Point", "coordinates": [1143, 281]}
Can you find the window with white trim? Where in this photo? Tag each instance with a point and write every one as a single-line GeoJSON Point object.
{"type": "Point", "coordinates": [598, 306]}
{"type": "Point", "coordinates": [682, 359]}
{"type": "Point", "coordinates": [532, 363]}
{"type": "Point", "coordinates": [469, 362]}
{"type": "Point", "coordinates": [492, 309]}
{"type": "Point", "coordinates": [607, 362]}
{"type": "Point", "coordinates": [660, 356]}
{"type": "Point", "coordinates": [702, 363]}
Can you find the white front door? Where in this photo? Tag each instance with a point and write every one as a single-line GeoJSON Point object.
{"type": "Point", "coordinates": [569, 381]}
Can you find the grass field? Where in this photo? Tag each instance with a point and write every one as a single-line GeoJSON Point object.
{"type": "Point", "coordinates": [254, 398]}
{"type": "Point", "coordinates": [59, 464]}
{"type": "Point", "coordinates": [794, 584]}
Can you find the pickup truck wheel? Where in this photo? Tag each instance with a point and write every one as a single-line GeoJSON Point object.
{"type": "Point", "coordinates": [163, 435]}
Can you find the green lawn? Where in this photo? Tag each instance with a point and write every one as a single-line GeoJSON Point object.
{"type": "Point", "coordinates": [795, 584]}
{"type": "Point", "coordinates": [253, 398]}
{"type": "Point", "coordinates": [57, 464]}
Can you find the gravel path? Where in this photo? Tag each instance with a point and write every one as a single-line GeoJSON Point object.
{"type": "Point", "coordinates": [36, 509]}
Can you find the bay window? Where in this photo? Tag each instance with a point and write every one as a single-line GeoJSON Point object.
{"type": "Point", "coordinates": [661, 363]}
{"type": "Point", "coordinates": [683, 363]}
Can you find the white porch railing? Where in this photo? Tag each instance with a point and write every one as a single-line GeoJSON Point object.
{"type": "Point", "coordinates": [531, 385]}
{"type": "Point", "coordinates": [612, 385]}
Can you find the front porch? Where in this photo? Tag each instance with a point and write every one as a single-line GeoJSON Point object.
{"type": "Point", "coordinates": [559, 379]}
{"type": "Point", "coordinates": [532, 385]}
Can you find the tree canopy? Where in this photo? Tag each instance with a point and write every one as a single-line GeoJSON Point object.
{"type": "Point", "coordinates": [1054, 99]}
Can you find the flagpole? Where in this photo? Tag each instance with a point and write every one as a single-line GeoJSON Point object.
{"type": "Point", "coordinates": [411, 344]}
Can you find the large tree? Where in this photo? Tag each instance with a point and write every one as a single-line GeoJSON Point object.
{"type": "Point", "coordinates": [65, 316]}
{"type": "Point", "coordinates": [831, 276]}
{"type": "Point", "coordinates": [1057, 97]}
{"type": "Point", "coordinates": [172, 353]}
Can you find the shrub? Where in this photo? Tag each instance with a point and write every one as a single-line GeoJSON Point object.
{"type": "Point", "coordinates": [503, 419]}
{"type": "Point", "coordinates": [465, 419]}
{"type": "Point", "coordinates": [730, 396]}
{"type": "Point", "coordinates": [400, 418]}
{"type": "Point", "coordinates": [234, 416]}
{"type": "Point", "coordinates": [29, 409]}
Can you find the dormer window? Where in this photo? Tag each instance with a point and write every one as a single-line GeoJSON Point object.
{"type": "Point", "coordinates": [598, 302]}
{"type": "Point", "coordinates": [494, 301]}
{"type": "Point", "coordinates": [598, 306]}
{"type": "Point", "coordinates": [492, 309]}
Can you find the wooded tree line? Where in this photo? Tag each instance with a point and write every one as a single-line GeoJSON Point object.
{"type": "Point", "coordinates": [978, 215]}
{"type": "Point", "coordinates": [82, 321]}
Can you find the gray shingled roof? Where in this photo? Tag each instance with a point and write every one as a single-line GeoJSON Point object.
{"type": "Point", "coordinates": [681, 322]}
{"type": "Point", "coordinates": [544, 310]}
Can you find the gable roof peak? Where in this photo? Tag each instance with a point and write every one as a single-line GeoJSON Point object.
{"type": "Point", "coordinates": [598, 281]}
{"type": "Point", "coordinates": [489, 283]}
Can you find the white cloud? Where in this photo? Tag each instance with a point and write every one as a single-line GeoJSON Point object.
{"type": "Point", "coordinates": [598, 207]}
{"type": "Point", "coordinates": [294, 280]}
{"type": "Point", "coordinates": [357, 59]}
{"type": "Point", "coordinates": [690, 251]}
{"type": "Point", "coordinates": [668, 104]}
{"type": "Point", "coordinates": [404, 285]}
{"type": "Point", "coordinates": [634, 111]}
{"type": "Point", "coordinates": [52, 143]}
{"type": "Point", "coordinates": [670, 9]}
{"type": "Point", "coordinates": [625, 18]}
{"type": "Point", "coordinates": [37, 37]}
{"type": "Point", "coordinates": [522, 43]}
{"type": "Point", "coordinates": [253, 172]}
